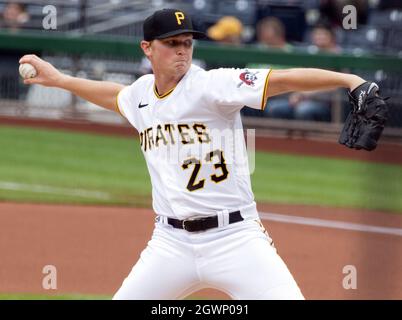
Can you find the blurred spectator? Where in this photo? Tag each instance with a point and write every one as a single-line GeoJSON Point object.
{"type": "Point", "coordinates": [271, 33]}
{"type": "Point", "coordinates": [291, 13]}
{"type": "Point", "coordinates": [313, 106]}
{"type": "Point", "coordinates": [316, 106]}
{"type": "Point", "coordinates": [14, 16]}
{"type": "Point", "coordinates": [323, 37]}
{"type": "Point", "coordinates": [227, 30]}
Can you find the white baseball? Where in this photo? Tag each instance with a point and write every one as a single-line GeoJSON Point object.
{"type": "Point", "coordinates": [27, 71]}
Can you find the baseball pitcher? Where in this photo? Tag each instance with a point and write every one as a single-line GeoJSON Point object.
{"type": "Point", "coordinates": [207, 231]}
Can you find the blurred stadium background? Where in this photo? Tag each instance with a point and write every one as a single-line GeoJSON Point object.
{"type": "Point", "coordinates": [98, 39]}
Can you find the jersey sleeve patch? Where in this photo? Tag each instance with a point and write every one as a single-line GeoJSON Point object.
{"type": "Point", "coordinates": [248, 78]}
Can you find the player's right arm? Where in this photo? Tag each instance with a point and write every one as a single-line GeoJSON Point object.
{"type": "Point", "coordinates": [101, 93]}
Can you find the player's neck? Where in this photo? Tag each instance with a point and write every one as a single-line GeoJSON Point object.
{"type": "Point", "coordinates": [164, 83]}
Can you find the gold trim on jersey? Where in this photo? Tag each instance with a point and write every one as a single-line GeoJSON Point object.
{"type": "Point", "coordinates": [163, 95]}
{"type": "Point", "coordinates": [264, 95]}
{"type": "Point", "coordinates": [117, 107]}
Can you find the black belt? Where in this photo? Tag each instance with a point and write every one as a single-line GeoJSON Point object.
{"type": "Point", "coordinates": [202, 224]}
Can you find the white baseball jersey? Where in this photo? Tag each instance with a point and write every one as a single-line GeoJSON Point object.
{"type": "Point", "coordinates": [192, 139]}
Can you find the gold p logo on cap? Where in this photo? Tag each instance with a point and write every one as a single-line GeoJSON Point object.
{"type": "Point", "coordinates": [179, 16]}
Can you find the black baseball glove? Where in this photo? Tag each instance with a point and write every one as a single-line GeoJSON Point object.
{"type": "Point", "coordinates": [365, 123]}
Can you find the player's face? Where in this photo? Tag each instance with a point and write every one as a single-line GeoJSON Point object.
{"type": "Point", "coordinates": [171, 55]}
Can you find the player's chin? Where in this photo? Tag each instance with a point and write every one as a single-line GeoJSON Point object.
{"type": "Point", "coordinates": [182, 66]}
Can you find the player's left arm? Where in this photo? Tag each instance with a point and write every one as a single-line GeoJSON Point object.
{"type": "Point", "coordinates": [369, 111]}
{"type": "Point", "coordinates": [309, 79]}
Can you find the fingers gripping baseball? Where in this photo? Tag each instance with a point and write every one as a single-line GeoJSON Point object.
{"type": "Point", "coordinates": [44, 73]}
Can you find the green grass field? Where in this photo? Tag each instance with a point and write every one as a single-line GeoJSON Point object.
{"type": "Point", "coordinates": [39, 165]}
{"type": "Point", "coordinates": [49, 166]}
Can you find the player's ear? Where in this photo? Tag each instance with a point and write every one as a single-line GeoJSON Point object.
{"type": "Point", "coordinates": [146, 47]}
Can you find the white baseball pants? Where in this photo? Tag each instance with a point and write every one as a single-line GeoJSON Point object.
{"type": "Point", "coordinates": [237, 259]}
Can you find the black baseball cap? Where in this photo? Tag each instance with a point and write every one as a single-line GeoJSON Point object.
{"type": "Point", "coordinates": [167, 23]}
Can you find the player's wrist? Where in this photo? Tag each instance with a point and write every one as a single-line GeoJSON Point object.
{"type": "Point", "coordinates": [354, 81]}
{"type": "Point", "coordinates": [61, 80]}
